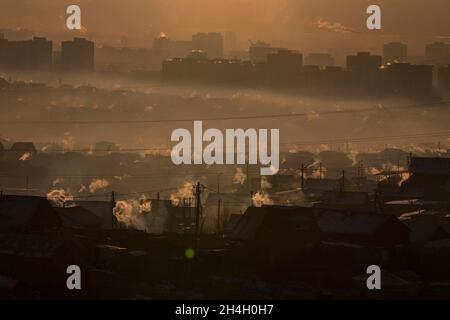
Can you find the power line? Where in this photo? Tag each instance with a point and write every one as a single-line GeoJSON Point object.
{"type": "Point", "coordinates": [247, 117]}
{"type": "Point", "coordinates": [434, 134]}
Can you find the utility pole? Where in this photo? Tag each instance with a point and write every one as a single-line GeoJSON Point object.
{"type": "Point", "coordinates": [218, 218]}
{"type": "Point", "coordinates": [113, 205]}
{"type": "Point", "coordinates": [320, 170]}
{"type": "Point", "coordinates": [360, 174]}
{"type": "Point", "coordinates": [218, 205]}
{"type": "Point", "coordinates": [197, 216]}
{"type": "Point", "coordinates": [302, 170]}
{"type": "Point", "coordinates": [248, 178]}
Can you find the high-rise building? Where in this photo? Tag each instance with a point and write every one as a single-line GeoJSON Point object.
{"type": "Point", "coordinates": [260, 50]}
{"type": "Point", "coordinates": [444, 78]}
{"type": "Point", "coordinates": [395, 52]}
{"type": "Point", "coordinates": [230, 41]}
{"type": "Point", "coordinates": [77, 55]}
{"type": "Point", "coordinates": [363, 62]}
{"type": "Point", "coordinates": [163, 46]}
{"type": "Point", "coordinates": [407, 79]}
{"type": "Point", "coordinates": [212, 43]}
{"type": "Point", "coordinates": [284, 67]}
{"type": "Point", "coordinates": [437, 51]}
{"type": "Point", "coordinates": [319, 59]}
{"type": "Point", "coordinates": [181, 48]}
{"type": "Point", "coordinates": [35, 54]}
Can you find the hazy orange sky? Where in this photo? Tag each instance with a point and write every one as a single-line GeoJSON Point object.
{"type": "Point", "coordinates": [291, 23]}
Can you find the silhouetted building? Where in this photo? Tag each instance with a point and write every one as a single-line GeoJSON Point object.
{"type": "Point", "coordinates": [437, 52]}
{"type": "Point", "coordinates": [319, 59]}
{"type": "Point", "coordinates": [260, 50]}
{"type": "Point", "coordinates": [374, 229]}
{"type": "Point", "coordinates": [77, 55]}
{"type": "Point", "coordinates": [431, 174]}
{"type": "Point", "coordinates": [212, 43]}
{"type": "Point", "coordinates": [78, 218]}
{"type": "Point", "coordinates": [363, 62]}
{"type": "Point", "coordinates": [197, 55]}
{"type": "Point", "coordinates": [25, 213]}
{"type": "Point", "coordinates": [163, 46]}
{"type": "Point", "coordinates": [102, 209]}
{"type": "Point", "coordinates": [181, 48]}
{"type": "Point", "coordinates": [407, 79]}
{"type": "Point", "coordinates": [24, 147]}
{"type": "Point", "coordinates": [239, 55]}
{"type": "Point", "coordinates": [230, 41]}
{"type": "Point", "coordinates": [35, 54]}
{"type": "Point", "coordinates": [395, 52]}
{"type": "Point", "coordinates": [284, 69]}
{"type": "Point", "coordinates": [426, 227]}
{"type": "Point", "coordinates": [364, 75]}
{"type": "Point", "coordinates": [108, 58]}
{"type": "Point", "coordinates": [284, 66]}
{"type": "Point", "coordinates": [444, 78]}
{"type": "Point", "coordinates": [276, 232]}
{"type": "Point", "coordinates": [345, 200]}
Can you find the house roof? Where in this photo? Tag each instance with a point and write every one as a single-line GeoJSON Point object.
{"type": "Point", "coordinates": [102, 209]}
{"type": "Point", "coordinates": [323, 184]}
{"type": "Point", "coordinates": [423, 228]}
{"type": "Point", "coordinates": [438, 218]}
{"type": "Point", "coordinates": [29, 245]}
{"type": "Point", "coordinates": [252, 220]}
{"type": "Point", "coordinates": [439, 166]}
{"type": "Point", "coordinates": [391, 191]}
{"type": "Point", "coordinates": [232, 221]}
{"type": "Point", "coordinates": [23, 147]}
{"type": "Point", "coordinates": [357, 224]}
{"type": "Point", "coordinates": [344, 198]}
{"type": "Point", "coordinates": [78, 217]}
{"type": "Point", "coordinates": [25, 212]}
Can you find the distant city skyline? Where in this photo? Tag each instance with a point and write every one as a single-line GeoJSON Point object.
{"type": "Point", "coordinates": [336, 27]}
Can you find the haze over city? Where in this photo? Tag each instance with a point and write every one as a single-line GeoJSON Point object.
{"type": "Point", "coordinates": [134, 149]}
{"type": "Point", "coordinates": [309, 25]}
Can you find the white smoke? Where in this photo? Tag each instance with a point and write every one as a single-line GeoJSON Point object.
{"type": "Point", "coordinates": [68, 142]}
{"type": "Point", "coordinates": [186, 191]}
{"type": "Point", "coordinates": [240, 177]}
{"type": "Point", "coordinates": [59, 197]}
{"type": "Point", "coordinates": [26, 156]}
{"type": "Point", "coordinates": [98, 184]}
{"type": "Point", "coordinates": [265, 184]}
{"type": "Point", "coordinates": [261, 198]}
